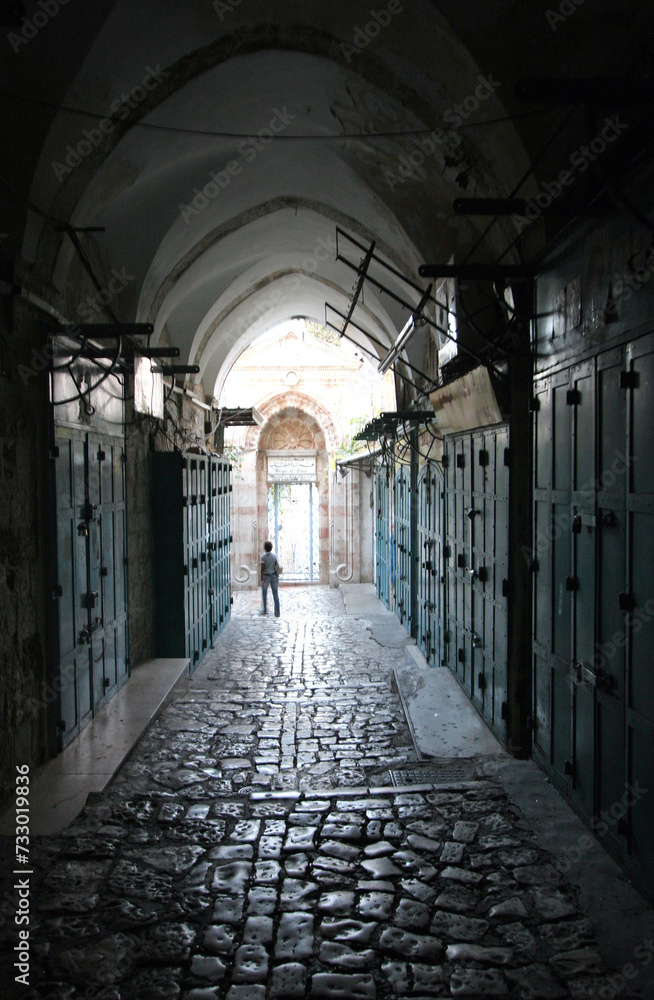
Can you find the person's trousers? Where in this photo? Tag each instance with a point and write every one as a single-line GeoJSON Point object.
{"type": "Point", "coordinates": [273, 580]}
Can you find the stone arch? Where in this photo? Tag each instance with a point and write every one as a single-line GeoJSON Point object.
{"type": "Point", "coordinates": [294, 401]}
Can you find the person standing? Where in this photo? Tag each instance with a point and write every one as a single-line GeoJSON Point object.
{"type": "Point", "coordinates": [269, 576]}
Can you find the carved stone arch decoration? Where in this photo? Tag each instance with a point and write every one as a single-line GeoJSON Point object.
{"type": "Point", "coordinates": [289, 401]}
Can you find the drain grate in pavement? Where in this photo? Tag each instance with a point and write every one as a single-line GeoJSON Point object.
{"type": "Point", "coordinates": [436, 774]}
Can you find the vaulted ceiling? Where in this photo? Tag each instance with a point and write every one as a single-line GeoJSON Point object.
{"type": "Point", "coordinates": [219, 145]}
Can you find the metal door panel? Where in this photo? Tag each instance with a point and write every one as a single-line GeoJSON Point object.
{"type": "Point", "coordinates": [561, 594]}
{"type": "Point", "coordinates": [543, 707]}
{"type": "Point", "coordinates": [562, 437]}
{"type": "Point", "coordinates": [108, 589]}
{"type": "Point", "coordinates": [642, 445]}
{"type": "Point", "coordinates": [562, 723]}
{"type": "Point", "coordinates": [641, 813]}
{"type": "Point", "coordinates": [584, 425]}
{"type": "Point", "coordinates": [543, 437]}
{"type": "Point", "coordinates": [542, 574]}
{"type": "Point", "coordinates": [641, 687]}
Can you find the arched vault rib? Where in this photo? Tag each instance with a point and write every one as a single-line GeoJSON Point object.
{"type": "Point", "coordinates": [235, 224]}
{"type": "Point", "coordinates": [298, 401]}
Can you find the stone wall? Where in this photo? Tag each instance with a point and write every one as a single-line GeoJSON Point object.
{"type": "Point", "coordinates": [27, 701]}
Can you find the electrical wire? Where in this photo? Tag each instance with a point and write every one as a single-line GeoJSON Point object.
{"type": "Point", "coordinates": [209, 133]}
{"type": "Point", "coordinates": [86, 392]}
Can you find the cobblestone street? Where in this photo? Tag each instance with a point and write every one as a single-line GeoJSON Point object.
{"type": "Point", "coordinates": [255, 846]}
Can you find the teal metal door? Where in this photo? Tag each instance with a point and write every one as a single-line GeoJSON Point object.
{"type": "Point", "coordinates": [431, 572]}
{"type": "Point", "coordinates": [476, 487]}
{"type": "Point", "coordinates": [382, 537]}
{"type": "Point", "coordinates": [593, 598]}
{"type": "Point", "coordinates": [403, 548]}
{"type": "Point", "coordinates": [90, 589]}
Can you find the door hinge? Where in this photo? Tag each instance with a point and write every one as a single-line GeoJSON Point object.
{"type": "Point", "coordinates": [626, 602]}
{"type": "Point", "coordinates": [504, 712]}
{"type": "Point", "coordinates": [445, 461]}
{"type": "Point", "coordinates": [506, 588]}
{"type": "Point", "coordinates": [573, 397]}
{"type": "Point", "coordinates": [507, 457]}
{"type": "Point", "coordinates": [534, 405]}
{"type": "Point", "coordinates": [89, 600]}
{"type": "Point", "coordinates": [571, 583]}
{"type": "Point", "coordinates": [54, 452]}
{"type": "Point", "coordinates": [629, 380]}
{"type": "Point", "coordinates": [58, 591]}
{"type": "Point", "coordinates": [481, 682]}
{"type": "Point", "coordinates": [568, 768]}
{"type": "Point", "coordinates": [483, 458]}
{"type": "Point", "coordinates": [460, 461]}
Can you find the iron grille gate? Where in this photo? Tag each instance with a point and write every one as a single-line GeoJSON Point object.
{"type": "Point", "coordinates": [476, 568]}
{"type": "Point", "coordinates": [431, 579]}
{"type": "Point", "coordinates": [91, 630]}
{"type": "Point", "coordinates": [403, 548]}
{"type": "Point", "coordinates": [293, 523]}
{"type": "Point", "coordinates": [593, 594]}
{"type": "Point", "coordinates": [382, 537]}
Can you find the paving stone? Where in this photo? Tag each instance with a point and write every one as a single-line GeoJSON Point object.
{"type": "Point", "coordinates": [378, 905]}
{"type": "Point", "coordinates": [297, 894]}
{"type": "Point", "coordinates": [288, 981]}
{"type": "Point", "coordinates": [393, 831]}
{"type": "Point", "coordinates": [294, 936]}
{"type": "Point", "coordinates": [267, 872]}
{"type": "Point", "coordinates": [344, 957]}
{"type": "Point", "coordinates": [148, 984]}
{"type": "Point", "coordinates": [227, 910]}
{"type": "Point", "coordinates": [397, 975]}
{"type": "Point", "coordinates": [207, 967]}
{"type": "Point", "coordinates": [300, 838]}
{"type": "Point", "coordinates": [412, 915]}
{"type": "Point", "coordinates": [336, 903]}
{"type": "Point", "coordinates": [333, 986]}
{"type": "Point", "coordinates": [232, 852]}
{"type": "Point", "coordinates": [379, 849]}
{"type": "Point", "coordinates": [250, 964]}
{"type": "Point", "coordinates": [334, 865]}
{"type": "Point", "coordinates": [342, 831]}
{"type": "Point", "coordinates": [453, 925]}
{"type": "Point", "coordinates": [258, 930]}
{"type": "Point", "coordinates": [419, 890]}
{"type": "Point", "coordinates": [351, 931]}
{"type": "Point", "coordinates": [338, 849]}
{"type": "Point", "coordinates": [428, 979]}
{"type": "Point", "coordinates": [452, 853]}
{"type": "Point", "coordinates": [102, 963]}
{"type": "Point", "coordinates": [421, 843]}
{"type": "Point", "coordinates": [553, 904]}
{"type": "Point", "coordinates": [262, 900]}
{"type": "Point", "coordinates": [296, 864]}
{"type": "Point", "coordinates": [461, 875]}
{"type": "Point", "coordinates": [232, 878]}
{"type": "Point", "coordinates": [218, 939]}
{"type": "Point", "coordinates": [518, 857]}
{"type": "Point", "coordinates": [415, 946]}
{"type": "Point", "coordinates": [249, 992]}
{"type": "Point", "coordinates": [381, 867]}
{"type": "Point", "coordinates": [246, 831]}
{"type": "Point", "coordinates": [477, 982]}
{"type": "Point", "coordinates": [431, 830]}
{"type": "Point", "coordinates": [513, 907]}
{"type": "Point", "coordinates": [521, 938]}
{"type": "Point", "coordinates": [536, 982]}
{"type": "Point", "coordinates": [465, 832]}
{"type": "Point", "coordinates": [457, 899]}
{"type": "Point", "coordinates": [477, 953]}
{"type": "Point", "coordinates": [203, 993]}
{"type": "Point", "coordinates": [270, 848]}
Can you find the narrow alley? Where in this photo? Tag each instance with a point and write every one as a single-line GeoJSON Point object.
{"type": "Point", "coordinates": [270, 837]}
